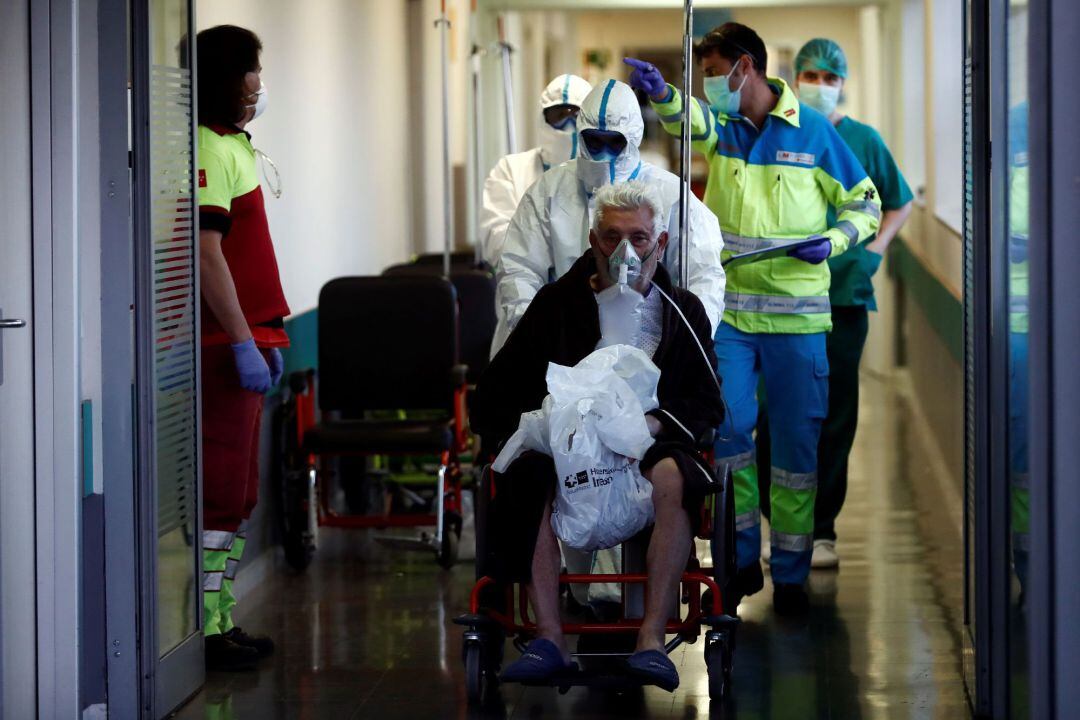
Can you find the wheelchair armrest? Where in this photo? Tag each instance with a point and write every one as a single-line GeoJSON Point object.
{"type": "Point", "coordinates": [459, 374]}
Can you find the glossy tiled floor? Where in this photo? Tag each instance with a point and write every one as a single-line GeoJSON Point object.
{"type": "Point", "coordinates": [366, 633]}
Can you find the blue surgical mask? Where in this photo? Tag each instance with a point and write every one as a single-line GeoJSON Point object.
{"type": "Point", "coordinates": [721, 97]}
{"type": "Point", "coordinates": [823, 98]}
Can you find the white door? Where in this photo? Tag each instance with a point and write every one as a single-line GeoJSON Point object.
{"type": "Point", "coordinates": [18, 682]}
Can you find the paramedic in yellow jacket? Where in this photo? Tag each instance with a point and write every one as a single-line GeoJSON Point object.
{"type": "Point", "coordinates": [775, 168]}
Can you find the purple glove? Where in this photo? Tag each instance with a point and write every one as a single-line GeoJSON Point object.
{"type": "Point", "coordinates": [251, 366]}
{"type": "Point", "coordinates": [277, 366]}
{"type": "Point", "coordinates": [646, 77]}
{"type": "Point", "coordinates": [815, 253]}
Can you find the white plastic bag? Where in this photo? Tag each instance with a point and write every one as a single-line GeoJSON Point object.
{"type": "Point", "coordinates": [596, 433]}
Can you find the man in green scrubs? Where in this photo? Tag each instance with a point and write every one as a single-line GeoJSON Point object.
{"type": "Point", "coordinates": [821, 69]}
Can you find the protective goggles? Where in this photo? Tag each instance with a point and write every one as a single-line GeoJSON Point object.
{"type": "Point", "coordinates": [557, 116]}
{"type": "Point", "coordinates": [599, 141]}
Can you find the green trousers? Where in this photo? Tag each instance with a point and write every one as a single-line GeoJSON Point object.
{"type": "Point", "coordinates": [221, 558]}
{"type": "Point", "coordinates": [844, 346]}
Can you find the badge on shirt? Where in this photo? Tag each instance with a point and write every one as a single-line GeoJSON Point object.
{"type": "Point", "coordinates": [794, 157]}
{"type": "Point", "coordinates": [202, 178]}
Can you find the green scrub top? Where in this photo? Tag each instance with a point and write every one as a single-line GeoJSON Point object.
{"type": "Point", "coordinates": [852, 270]}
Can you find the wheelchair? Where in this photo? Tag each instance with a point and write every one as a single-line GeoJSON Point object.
{"type": "Point", "coordinates": [492, 617]}
{"type": "Point", "coordinates": [388, 348]}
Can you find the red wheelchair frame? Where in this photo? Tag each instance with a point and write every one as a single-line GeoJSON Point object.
{"type": "Point", "coordinates": [487, 628]}
{"type": "Point", "coordinates": [316, 506]}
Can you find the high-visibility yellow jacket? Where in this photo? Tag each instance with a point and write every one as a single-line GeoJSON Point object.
{"type": "Point", "coordinates": [772, 186]}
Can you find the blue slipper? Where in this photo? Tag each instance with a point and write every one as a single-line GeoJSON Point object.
{"type": "Point", "coordinates": [541, 661]}
{"type": "Point", "coordinates": [654, 667]}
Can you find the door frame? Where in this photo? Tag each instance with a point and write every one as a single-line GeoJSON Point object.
{"type": "Point", "coordinates": [166, 680]}
{"type": "Point", "coordinates": [57, 431]}
{"type": "Point", "coordinates": [1054, 304]}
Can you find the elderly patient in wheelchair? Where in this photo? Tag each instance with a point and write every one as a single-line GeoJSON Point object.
{"type": "Point", "coordinates": [608, 297]}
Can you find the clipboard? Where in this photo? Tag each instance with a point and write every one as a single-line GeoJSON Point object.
{"type": "Point", "coordinates": [776, 251]}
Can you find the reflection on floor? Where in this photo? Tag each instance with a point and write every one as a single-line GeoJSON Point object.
{"type": "Point", "coordinates": [366, 633]}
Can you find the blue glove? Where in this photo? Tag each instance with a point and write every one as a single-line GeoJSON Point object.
{"type": "Point", "coordinates": [814, 254]}
{"type": "Point", "coordinates": [646, 77]}
{"type": "Point", "coordinates": [277, 366]}
{"type": "Point", "coordinates": [252, 367]}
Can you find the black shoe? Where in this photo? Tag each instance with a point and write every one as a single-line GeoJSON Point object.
{"type": "Point", "coordinates": [790, 599]}
{"type": "Point", "coordinates": [261, 644]}
{"type": "Point", "coordinates": [225, 655]}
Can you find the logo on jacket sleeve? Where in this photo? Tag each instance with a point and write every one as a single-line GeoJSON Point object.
{"type": "Point", "coordinates": [202, 178]}
{"type": "Point", "coordinates": [794, 157]}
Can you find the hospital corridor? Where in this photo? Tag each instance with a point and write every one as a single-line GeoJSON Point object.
{"type": "Point", "coordinates": [539, 359]}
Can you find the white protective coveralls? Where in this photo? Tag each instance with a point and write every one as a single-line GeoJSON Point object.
{"type": "Point", "coordinates": [550, 229]}
{"type": "Point", "coordinates": [516, 173]}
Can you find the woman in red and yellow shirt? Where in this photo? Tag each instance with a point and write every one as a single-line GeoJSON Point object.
{"type": "Point", "coordinates": [243, 308]}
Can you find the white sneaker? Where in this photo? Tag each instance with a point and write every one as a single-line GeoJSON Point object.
{"type": "Point", "coordinates": [824, 555]}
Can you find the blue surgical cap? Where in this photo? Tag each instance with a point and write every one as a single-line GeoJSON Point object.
{"type": "Point", "coordinates": [821, 54]}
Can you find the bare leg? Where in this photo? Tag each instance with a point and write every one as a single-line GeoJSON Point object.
{"type": "Point", "coordinates": [544, 588]}
{"type": "Point", "coordinates": [668, 552]}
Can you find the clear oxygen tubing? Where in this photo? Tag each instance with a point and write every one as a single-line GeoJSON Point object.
{"type": "Point", "coordinates": [443, 23]}
{"type": "Point", "coordinates": [684, 149]}
{"type": "Point", "coordinates": [700, 347]}
{"type": "Point", "coordinates": [508, 88]}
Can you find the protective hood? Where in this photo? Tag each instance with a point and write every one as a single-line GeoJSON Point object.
{"type": "Point", "coordinates": [558, 146]}
{"type": "Point", "coordinates": [611, 106]}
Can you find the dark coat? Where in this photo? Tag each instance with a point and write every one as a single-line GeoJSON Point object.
{"type": "Point", "coordinates": [562, 325]}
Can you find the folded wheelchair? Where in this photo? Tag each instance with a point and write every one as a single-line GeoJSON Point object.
{"type": "Point", "coordinates": [498, 611]}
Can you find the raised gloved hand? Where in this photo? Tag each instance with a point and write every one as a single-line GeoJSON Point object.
{"type": "Point", "coordinates": [813, 253]}
{"type": "Point", "coordinates": [646, 77]}
{"type": "Point", "coordinates": [277, 366]}
{"type": "Point", "coordinates": [251, 366]}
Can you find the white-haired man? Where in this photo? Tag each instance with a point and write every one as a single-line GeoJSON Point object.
{"type": "Point", "coordinates": [566, 321]}
{"type": "Point", "coordinates": [548, 231]}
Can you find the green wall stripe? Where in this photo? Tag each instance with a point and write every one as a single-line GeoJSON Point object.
{"type": "Point", "coordinates": [942, 309]}
{"type": "Point", "coordinates": [87, 442]}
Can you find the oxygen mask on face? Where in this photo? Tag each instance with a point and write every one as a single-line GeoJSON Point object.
{"type": "Point", "coordinates": [624, 265]}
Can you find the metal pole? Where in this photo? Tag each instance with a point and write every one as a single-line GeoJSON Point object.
{"type": "Point", "coordinates": [684, 159]}
{"type": "Point", "coordinates": [478, 136]}
{"type": "Point", "coordinates": [448, 208]}
{"type": "Point", "coordinates": [508, 89]}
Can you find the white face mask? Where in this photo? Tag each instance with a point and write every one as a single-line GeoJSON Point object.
{"type": "Point", "coordinates": [558, 145]}
{"type": "Point", "coordinates": [823, 98]}
{"type": "Point", "coordinates": [260, 102]}
{"type": "Point", "coordinates": [597, 173]}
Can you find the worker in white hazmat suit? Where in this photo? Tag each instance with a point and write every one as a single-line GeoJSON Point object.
{"type": "Point", "coordinates": [550, 228]}
{"type": "Point", "coordinates": [516, 173]}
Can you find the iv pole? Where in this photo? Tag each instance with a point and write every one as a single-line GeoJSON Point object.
{"type": "Point", "coordinates": [684, 149]}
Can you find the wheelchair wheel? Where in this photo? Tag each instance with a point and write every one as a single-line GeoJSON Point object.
{"type": "Point", "coordinates": [483, 658]}
{"type": "Point", "coordinates": [719, 661]}
{"type": "Point", "coordinates": [447, 553]}
{"type": "Point", "coordinates": [300, 520]}
{"type": "Point", "coordinates": [474, 674]}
